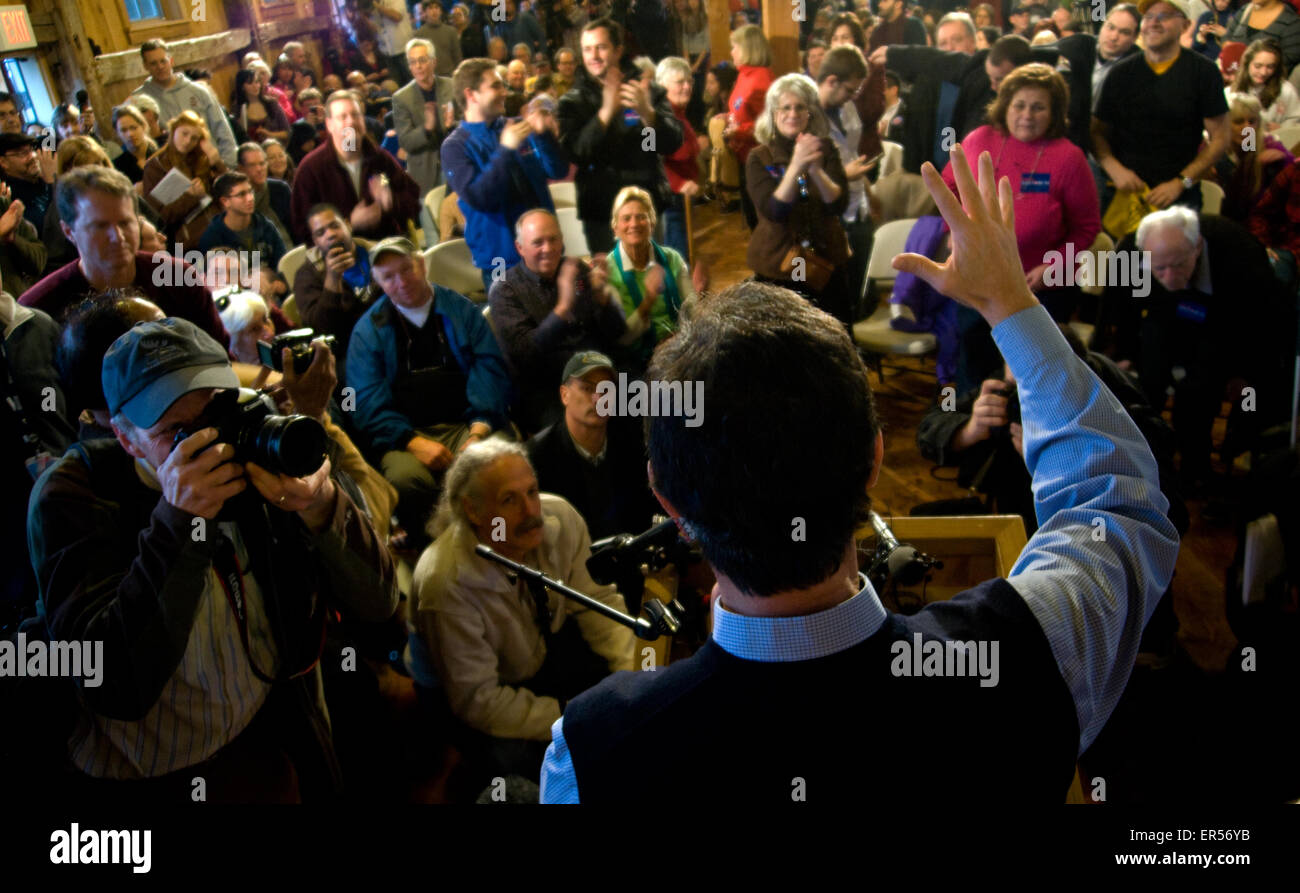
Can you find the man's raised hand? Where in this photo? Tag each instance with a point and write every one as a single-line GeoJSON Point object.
{"type": "Point", "coordinates": [984, 271]}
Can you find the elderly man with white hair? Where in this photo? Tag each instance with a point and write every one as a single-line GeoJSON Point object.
{"type": "Point", "coordinates": [1211, 321]}
{"type": "Point", "coordinates": [420, 114]}
{"type": "Point", "coordinates": [507, 662]}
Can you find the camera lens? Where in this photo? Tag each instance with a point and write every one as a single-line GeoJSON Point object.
{"type": "Point", "coordinates": [292, 445]}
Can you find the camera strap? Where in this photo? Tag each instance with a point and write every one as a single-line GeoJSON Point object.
{"type": "Point", "coordinates": [230, 575]}
{"type": "Point", "coordinates": [38, 458]}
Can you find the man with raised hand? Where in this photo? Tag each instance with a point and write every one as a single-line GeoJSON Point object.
{"type": "Point", "coordinates": [807, 678]}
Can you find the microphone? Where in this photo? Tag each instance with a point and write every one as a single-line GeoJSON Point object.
{"type": "Point", "coordinates": [611, 555]}
{"type": "Point", "coordinates": [904, 564]}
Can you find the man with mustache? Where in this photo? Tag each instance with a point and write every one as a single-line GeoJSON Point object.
{"type": "Point", "coordinates": [507, 663]}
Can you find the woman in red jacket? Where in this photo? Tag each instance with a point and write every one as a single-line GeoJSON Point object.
{"type": "Point", "coordinates": [753, 58]}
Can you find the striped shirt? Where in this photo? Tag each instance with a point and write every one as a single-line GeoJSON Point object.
{"type": "Point", "coordinates": [211, 697]}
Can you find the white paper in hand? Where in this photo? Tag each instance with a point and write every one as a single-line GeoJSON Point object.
{"type": "Point", "coordinates": [170, 187]}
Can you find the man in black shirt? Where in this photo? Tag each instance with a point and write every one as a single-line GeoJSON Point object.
{"type": "Point", "coordinates": [30, 172]}
{"type": "Point", "coordinates": [596, 463]}
{"type": "Point", "coordinates": [547, 308]}
{"type": "Point", "coordinates": [1146, 127]}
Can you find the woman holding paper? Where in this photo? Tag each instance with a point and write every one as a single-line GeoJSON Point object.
{"type": "Point", "coordinates": [188, 158]}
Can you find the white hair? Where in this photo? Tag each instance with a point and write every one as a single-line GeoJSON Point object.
{"type": "Point", "coordinates": [669, 66]}
{"type": "Point", "coordinates": [463, 482]}
{"type": "Point", "coordinates": [146, 103]}
{"type": "Point", "coordinates": [805, 88]}
{"type": "Point", "coordinates": [240, 310]}
{"type": "Point", "coordinates": [523, 218]}
{"type": "Point", "coordinates": [1178, 216]}
{"type": "Point", "coordinates": [645, 65]}
{"type": "Point", "coordinates": [963, 17]}
{"type": "Point", "coordinates": [421, 42]}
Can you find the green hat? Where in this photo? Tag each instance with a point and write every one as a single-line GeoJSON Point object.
{"type": "Point", "coordinates": [583, 362]}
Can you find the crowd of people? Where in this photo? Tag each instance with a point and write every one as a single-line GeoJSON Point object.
{"type": "Point", "coordinates": [140, 267]}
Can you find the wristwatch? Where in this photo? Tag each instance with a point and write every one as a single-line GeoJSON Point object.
{"type": "Point", "coordinates": [1188, 183]}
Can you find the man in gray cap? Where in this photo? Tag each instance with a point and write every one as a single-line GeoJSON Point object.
{"type": "Point", "coordinates": [211, 614]}
{"type": "Point", "coordinates": [428, 376]}
{"type": "Point", "coordinates": [595, 462]}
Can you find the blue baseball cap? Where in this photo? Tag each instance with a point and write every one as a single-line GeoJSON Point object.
{"type": "Point", "coordinates": [154, 364]}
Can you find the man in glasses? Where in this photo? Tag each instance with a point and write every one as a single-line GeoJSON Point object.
{"type": "Point", "coordinates": [209, 619]}
{"type": "Point", "coordinates": [30, 174]}
{"type": "Point", "coordinates": [1147, 123]}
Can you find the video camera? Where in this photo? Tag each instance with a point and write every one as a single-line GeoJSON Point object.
{"type": "Point", "coordinates": [250, 422]}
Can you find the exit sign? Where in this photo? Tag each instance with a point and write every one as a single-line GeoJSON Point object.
{"type": "Point", "coordinates": [15, 29]}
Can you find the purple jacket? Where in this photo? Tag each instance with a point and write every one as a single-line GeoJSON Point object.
{"type": "Point", "coordinates": [934, 313]}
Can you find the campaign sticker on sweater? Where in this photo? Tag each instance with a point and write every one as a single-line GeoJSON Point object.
{"type": "Point", "coordinates": [631, 118]}
{"type": "Point", "coordinates": [1035, 182]}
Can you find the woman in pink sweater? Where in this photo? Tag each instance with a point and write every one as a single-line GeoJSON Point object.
{"type": "Point", "coordinates": [1056, 200]}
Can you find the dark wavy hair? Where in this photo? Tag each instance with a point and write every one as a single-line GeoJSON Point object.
{"type": "Point", "coordinates": [851, 21]}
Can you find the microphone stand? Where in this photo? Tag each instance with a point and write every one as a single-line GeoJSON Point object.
{"type": "Point", "coordinates": [662, 621]}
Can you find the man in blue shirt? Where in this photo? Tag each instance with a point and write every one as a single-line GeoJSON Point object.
{"type": "Point", "coordinates": [498, 168]}
{"type": "Point", "coordinates": [808, 688]}
{"type": "Point", "coordinates": [429, 378]}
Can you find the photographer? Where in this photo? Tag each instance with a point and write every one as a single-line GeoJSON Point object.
{"type": "Point", "coordinates": [802, 681]}
{"type": "Point", "coordinates": [96, 323]}
{"type": "Point", "coordinates": [158, 546]}
{"type": "Point", "coordinates": [983, 435]}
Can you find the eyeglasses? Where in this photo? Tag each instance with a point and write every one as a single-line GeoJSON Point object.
{"type": "Point", "coordinates": [1160, 17]}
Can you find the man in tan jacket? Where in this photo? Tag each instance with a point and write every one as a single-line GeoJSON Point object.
{"type": "Point", "coordinates": [508, 667]}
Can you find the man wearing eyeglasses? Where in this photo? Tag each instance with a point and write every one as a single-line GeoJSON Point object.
{"type": "Point", "coordinates": [209, 613]}
{"type": "Point", "coordinates": [11, 120]}
{"type": "Point", "coordinates": [1146, 127]}
{"type": "Point", "coordinates": [30, 174]}
{"type": "Point", "coordinates": [239, 224]}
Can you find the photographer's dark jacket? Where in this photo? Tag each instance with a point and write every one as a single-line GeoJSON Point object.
{"type": "Point", "coordinates": [1008, 472]}
{"type": "Point", "coordinates": [119, 564]}
{"type": "Point", "coordinates": [612, 157]}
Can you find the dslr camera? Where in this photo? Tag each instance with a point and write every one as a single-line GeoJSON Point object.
{"type": "Point", "coordinates": [299, 341]}
{"type": "Point", "coordinates": [250, 422]}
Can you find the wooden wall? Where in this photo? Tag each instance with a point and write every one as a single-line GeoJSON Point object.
{"type": "Point", "coordinates": [92, 44]}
